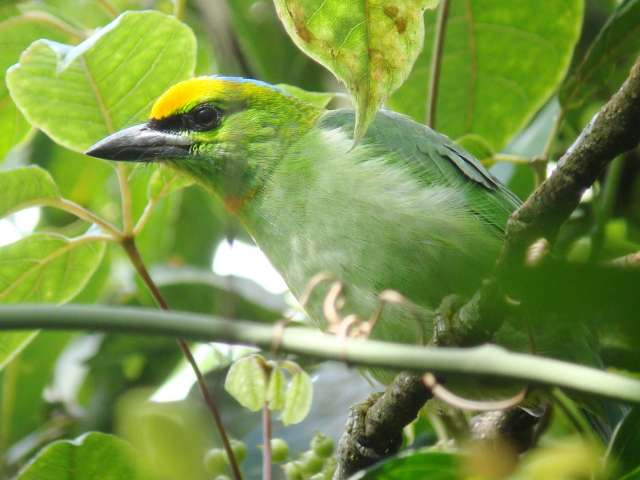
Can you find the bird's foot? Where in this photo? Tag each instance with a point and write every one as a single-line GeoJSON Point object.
{"type": "Point", "coordinates": [446, 396]}
{"type": "Point", "coordinates": [445, 329]}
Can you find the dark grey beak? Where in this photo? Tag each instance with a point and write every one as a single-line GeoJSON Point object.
{"type": "Point", "coordinates": [140, 143]}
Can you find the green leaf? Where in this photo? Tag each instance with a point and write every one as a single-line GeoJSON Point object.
{"type": "Point", "coordinates": [16, 34]}
{"type": "Point", "coordinates": [317, 99]}
{"type": "Point", "coordinates": [80, 178]}
{"type": "Point", "coordinates": [370, 46]}
{"type": "Point", "coordinates": [22, 404]}
{"type": "Point", "coordinates": [78, 95]}
{"type": "Point", "coordinates": [12, 343]}
{"type": "Point", "coordinates": [93, 456]}
{"type": "Point", "coordinates": [247, 382]}
{"type": "Point", "coordinates": [276, 392]}
{"type": "Point", "coordinates": [606, 64]}
{"type": "Point", "coordinates": [23, 187]}
{"type": "Point", "coordinates": [625, 445]}
{"type": "Point", "coordinates": [47, 268]}
{"type": "Point", "coordinates": [43, 268]}
{"type": "Point", "coordinates": [635, 475]}
{"type": "Point", "coordinates": [501, 62]}
{"type": "Point", "coordinates": [410, 465]}
{"type": "Point", "coordinates": [297, 402]}
{"type": "Point", "coordinates": [171, 439]}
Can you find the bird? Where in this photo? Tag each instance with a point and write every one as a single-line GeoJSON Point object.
{"type": "Point", "coordinates": [405, 209]}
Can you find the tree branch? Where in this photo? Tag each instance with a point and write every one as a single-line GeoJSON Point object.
{"type": "Point", "coordinates": [487, 360]}
{"type": "Point", "coordinates": [614, 130]}
{"type": "Point", "coordinates": [374, 428]}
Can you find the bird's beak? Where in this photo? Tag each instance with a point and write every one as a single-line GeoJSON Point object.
{"type": "Point", "coordinates": [141, 143]}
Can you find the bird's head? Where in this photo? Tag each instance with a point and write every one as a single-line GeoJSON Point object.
{"type": "Point", "coordinates": [227, 133]}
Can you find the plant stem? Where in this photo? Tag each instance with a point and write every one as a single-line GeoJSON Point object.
{"type": "Point", "coordinates": [179, 8]}
{"type": "Point", "coordinates": [74, 209]}
{"type": "Point", "coordinates": [436, 62]}
{"type": "Point", "coordinates": [134, 255]}
{"type": "Point", "coordinates": [604, 207]}
{"type": "Point", "coordinates": [108, 7]}
{"type": "Point", "coordinates": [125, 198]}
{"type": "Point", "coordinates": [486, 360]}
{"type": "Point", "coordinates": [55, 22]}
{"type": "Point", "coordinates": [266, 442]}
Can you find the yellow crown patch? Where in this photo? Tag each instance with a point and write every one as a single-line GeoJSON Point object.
{"type": "Point", "coordinates": [191, 92]}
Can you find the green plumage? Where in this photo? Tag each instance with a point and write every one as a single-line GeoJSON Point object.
{"type": "Point", "coordinates": [406, 210]}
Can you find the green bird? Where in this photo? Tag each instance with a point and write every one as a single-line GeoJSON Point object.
{"type": "Point", "coordinates": [405, 209]}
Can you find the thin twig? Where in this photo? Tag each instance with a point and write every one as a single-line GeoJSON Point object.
{"type": "Point", "coordinates": [74, 209]}
{"type": "Point", "coordinates": [134, 255]}
{"type": "Point", "coordinates": [125, 199]}
{"type": "Point", "coordinates": [266, 442]}
{"type": "Point", "coordinates": [144, 218]}
{"type": "Point", "coordinates": [55, 22]}
{"type": "Point", "coordinates": [108, 7]}
{"type": "Point", "coordinates": [179, 8]}
{"type": "Point", "coordinates": [603, 209]}
{"type": "Point", "coordinates": [436, 62]}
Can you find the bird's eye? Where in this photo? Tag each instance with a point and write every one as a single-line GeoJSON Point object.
{"type": "Point", "coordinates": [205, 117]}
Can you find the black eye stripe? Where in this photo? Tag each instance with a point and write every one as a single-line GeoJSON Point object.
{"type": "Point", "coordinates": [202, 117]}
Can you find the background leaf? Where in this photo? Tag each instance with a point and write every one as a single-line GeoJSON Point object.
{"type": "Point", "coordinates": [106, 81]}
{"type": "Point", "coordinates": [247, 382]}
{"type": "Point", "coordinates": [605, 66]}
{"type": "Point", "coordinates": [297, 400]}
{"type": "Point", "coordinates": [501, 62]}
{"type": "Point", "coordinates": [43, 268]}
{"type": "Point", "coordinates": [425, 464]}
{"type": "Point", "coordinates": [22, 383]}
{"type": "Point", "coordinates": [625, 446]}
{"type": "Point", "coordinates": [16, 33]}
{"type": "Point", "coordinates": [370, 46]}
{"type": "Point", "coordinates": [94, 456]}
{"type": "Point", "coordinates": [23, 187]}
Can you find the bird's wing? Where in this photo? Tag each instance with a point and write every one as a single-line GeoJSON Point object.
{"type": "Point", "coordinates": [435, 159]}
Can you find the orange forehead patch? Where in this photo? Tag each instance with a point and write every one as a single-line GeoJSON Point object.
{"type": "Point", "coordinates": [190, 92]}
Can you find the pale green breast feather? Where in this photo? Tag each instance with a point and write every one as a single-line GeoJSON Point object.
{"type": "Point", "coordinates": [383, 214]}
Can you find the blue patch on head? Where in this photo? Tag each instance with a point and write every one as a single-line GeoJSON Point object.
{"type": "Point", "coordinates": [260, 83]}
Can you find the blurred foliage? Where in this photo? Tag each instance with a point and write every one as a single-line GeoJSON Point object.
{"type": "Point", "coordinates": [510, 70]}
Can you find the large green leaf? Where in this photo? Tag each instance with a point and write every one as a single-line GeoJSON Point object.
{"type": "Point", "coordinates": [23, 187]}
{"type": "Point", "coordinates": [369, 45]}
{"type": "Point", "coordinates": [501, 62]}
{"type": "Point", "coordinates": [605, 66]}
{"type": "Point", "coordinates": [410, 465]}
{"type": "Point", "coordinates": [625, 445]}
{"type": "Point", "coordinates": [16, 33]}
{"type": "Point", "coordinates": [43, 268]}
{"type": "Point", "coordinates": [93, 456]}
{"type": "Point", "coordinates": [47, 268]}
{"type": "Point", "coordinates": [78, 95]}
{"type": "Point", "coordinates": [22, 384]}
